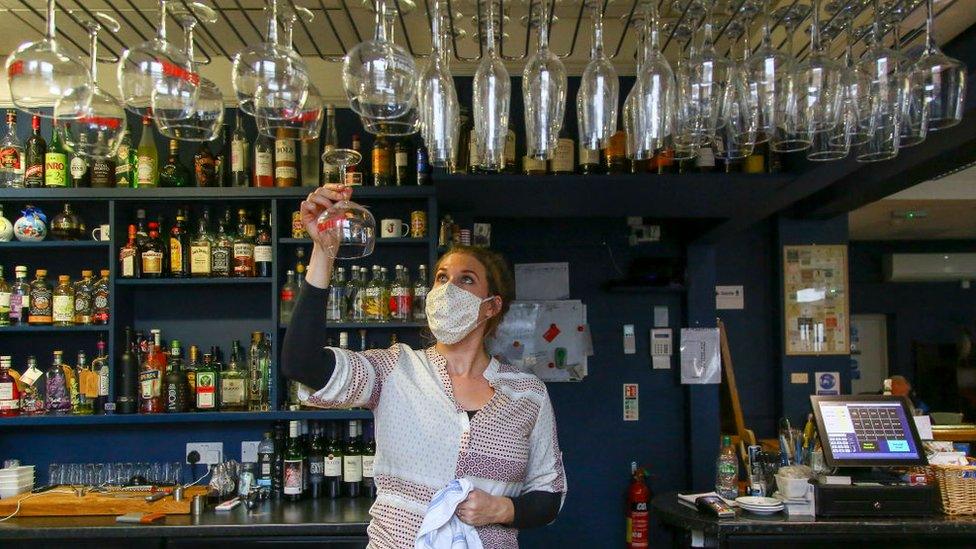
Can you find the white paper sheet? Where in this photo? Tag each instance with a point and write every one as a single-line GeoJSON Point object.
{"type": "Point", "coordinates": [541, 281]}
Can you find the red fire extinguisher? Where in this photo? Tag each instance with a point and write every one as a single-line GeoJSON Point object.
{"type": "Point", "coordinates": [638, 521]}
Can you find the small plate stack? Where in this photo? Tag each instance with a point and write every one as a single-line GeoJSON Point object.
{"type": "Point", "coordinates": [16, 480]}
{"type": "Point", "coordinates": [760, 505]}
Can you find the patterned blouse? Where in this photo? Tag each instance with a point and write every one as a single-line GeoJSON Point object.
{"type": "Point", "coordinates": [424, 438]}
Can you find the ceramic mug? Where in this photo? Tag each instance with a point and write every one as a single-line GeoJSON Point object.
{"type": "Point", "coordinates": [101, 232]}
{"type": "Point", "coordinates": [394, 228]}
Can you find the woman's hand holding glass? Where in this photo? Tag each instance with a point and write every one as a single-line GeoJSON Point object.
{"type": "Point", "coordinates": [313, 206]}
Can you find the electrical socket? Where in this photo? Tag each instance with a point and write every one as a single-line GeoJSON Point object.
{"type": "Point", "coordinates": [211, 453]}
{"type": "Point", "coordinates": [249, 451]}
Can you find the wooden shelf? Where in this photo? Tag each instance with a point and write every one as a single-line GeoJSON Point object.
{"type": "Point", "coordinates": [52, 329]}
{"type": "Point", "coordinates": [230, 281]}
{"type": "Point", "coordinates": [205, 193]}
{"type": "Point", "coordinates": [189, 417]}
{"type": "Point", "coordinates": [55, 244]}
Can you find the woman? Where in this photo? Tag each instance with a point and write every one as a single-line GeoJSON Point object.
{"type": "Point", "coordinates": [445, 412]}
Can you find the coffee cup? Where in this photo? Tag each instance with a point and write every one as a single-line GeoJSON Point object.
{"type": "Point", "coordinates": [102, 233]}
{"type": "Point", "coordinates": [394, 228]}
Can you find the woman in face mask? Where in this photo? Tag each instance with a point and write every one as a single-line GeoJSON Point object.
{"type": "Point", "coordinates": [446, 412]}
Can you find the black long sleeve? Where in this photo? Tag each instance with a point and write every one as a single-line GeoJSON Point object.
{"type": "Point", "coordinates": [537, 508]}
{"type": "Point", "coordinates": [303, 355]}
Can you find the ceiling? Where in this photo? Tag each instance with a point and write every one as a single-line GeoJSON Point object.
{"type": "Point", "coordinates": [338, 25]}
{"type": "Point", "coordinates": [939, 209]}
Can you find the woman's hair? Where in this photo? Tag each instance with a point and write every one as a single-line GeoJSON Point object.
{"type": "Point", "coordinates": [499, 277]}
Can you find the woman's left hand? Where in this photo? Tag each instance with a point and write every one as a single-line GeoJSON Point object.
{"type": "Point", "coordinates": [481, 508]}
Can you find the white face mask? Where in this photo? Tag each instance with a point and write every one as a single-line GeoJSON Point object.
{"type": "Point", "coordinates": [452, 312]}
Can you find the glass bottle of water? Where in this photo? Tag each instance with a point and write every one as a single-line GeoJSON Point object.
{"type": "Point", "coordinates": [727, 471]}
{"type": "Point", "coordinates": [335, 309]}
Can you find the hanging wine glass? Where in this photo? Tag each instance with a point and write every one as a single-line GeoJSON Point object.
{"type": "Point", "coordinates": [768, 76]}
{"type": "Point", "coordinates": [656, 93]}
{"type": "Point", "coordinates": [543, 93]}
{"type": "Point", "coordinates": [272, 106]}
{"type": "Point", "coordinates": [40, 73]}
{"type": "Point", "coordinates": [854, 83]}
{"type": "Point", "coordinates": [791, 133]}
{"type": "Point", "coordinates": [883, 126]}
{"type": "Point", "coordinates": [943, 79]}
{"type": "Point", "coordinates": [709, 76]}
{"type": "Point", "coordinates": [437, 98]}
{"type": "Point", "coordinates": [492, 97]}
{"type": "Point", "coordinates": [353, 224]}
{"type": "Point", "coordinates": [380, 78]}
{"type": "Point", "coordinates": [819, 97]}
{"type": "Point", "coordinates": [633, 122]}
{"type": "Point", "coordinates": [688, 127]}
{"type": "Point", "coordinates": [277, 68]}
{"type": "Point", "coordinates": [98, 132]}
{"type": "Point", "coordinates": [914, 125]}
{"type": "Point", "coordinates": [207, 116]}
{"type": "Point", "coordinates": [406, 124]}
{"type": "Point", "coordinates": [598, 95]}
{"type": "Point", "coordinates": [735, 138]}
{"type": "Point", "coordinates": [156, 65]}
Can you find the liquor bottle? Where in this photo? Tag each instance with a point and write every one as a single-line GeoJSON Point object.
{"type": "Point", "coordinates": [128, 379]}
{"type": "Point", "coordinates": [258, 373]}
{"type": "Point", "coordinates": [9, 392]}
{"type": "Point", "coordinates": [401, 159]}
{"type": "Point", "coordinates": [174, 383]}
{"type": "Point", "coordinates": [71, 377]}
{"type": "Point", "coordinates": [205, 167]}
{"type": "Point", "coordinates": [34, 151]}
{"type": "Point", "coordinates": [423, 165]}
{"type": "Point", "coordinates": [293, 462]}
{"type": "Point", "coordinates": [335, 305]}
{"type": "Point", "coordinates": [363, 344]}
{"type": "Point", "coordinates": [220, 160]}
{"type": "Point", "coordinates": [56, 162]}
{"type": "Point", "coordinates": [589, 160]}
{"type": "Point", "coordinates": [373, 294]}
{"type": "Point", "coordinates": [289, 294]}
{"type": "Point", "coordinates": [330, 173]}
{"type": "Point", "coordinates": [64, 302]}
{"type": "Point", "coordinates": [508, 153]}
{"type": "Point", "coordinates": [221, 254]}
{"type": "Point", "coordinates": [352, 462]}
{"type": "Point", "coordinates": [474, 160]}
{"type": "Point", "coordinates": [151, 377]}
{"type": "Point", "coordinates": [285, 161]}
{"type": "Point", "coordinates": [190, 368]}
{"type": "Point", "coordinates": [151, 253]}
{"type": "Point", "coordinates": [300, 266]}
{"type": "Point", "coordinates": [278, 465]}
{"type": "Point", "coordinates": [103, 374]}
{"type": "Point", "coordinates": [201, 250]}
{"type": "Point", "coordinates": [262, 246]}
{"type": "Point", "coordinates": [243, 248]}
{"type": "Point", "coordinates": [357, 295]}
{"type": "Point", "coordinates": [32, 399]}
{"type": "Point", "coordinates": [147, 157]}
{"type": "Point", "coordinates": [233, 385]}
{"type": "Point", "coordinates": [41, 307]}
{"type": "Point", "coordinates": [774, 160]}
{"type": "Point", "coordinates": [401, 298]}
{"type": "Point", "coordinates": [354, 174]}
{"type": "Point", "coordinates": [179, 247]}
{"type": "Point", "coordinates": [99, 299]}
{"type": "Point", "coordinates": [4, 300]}
{"type": "Point", "coordinates": [11, 155]}
{"type": "Point", "coordinates": [369, 456]}
{"type": "Point", "coordinates": [84, 375]}
{"type": "Point", "coordinates": [124, 161]}
{"type": "Point", "coordinates": [616, 154]}
{"type": "Point", "coordinates": [79, 168]}
{"type": "Point", "coordinates": [705, 159]}
{"type": "Point", "coordinates": [129, 259]}
{"type": "Point", "coordinates": [84, 299]}
{"type": "Point", "coordinates": [310, 168]}
{"type": "Point", "coordinates": [332, 463]}
{"type": "Point", "coordinates": [19, 297]}
{"type": "Point", "coordinates": [664, 159]}
{"type": "Point", "coordinates": [264, 161]}
{"type": "Point", "coordinates": [532, 166]}
{"type": "Point", "coordinates": [240, 175]}
{"type": "Point", "coordinates": [142, 231]}
{"type": "Point", "coordinates": [57, 395]}
{"type": "Point", "coordinates": [173, 174]}
{"type": "Point", "coordinates": [381, 162]}
{"type": "Point", "coordinates": [756, 162]}
{"type": "Point", "coordinates": [465, 125]}
{"type": "Point", "coordinates": [265, 461]}
{"type": "Point", "coordinates": [102, 173]}
{"type": "Point", "coordinates": [316, 462]}
{"type": "Point", "coordinates": [206, 385]}
{"type": "Point", "coordinates": [420, 290]}
{"type": "Point", "coordinates": [563, 160]}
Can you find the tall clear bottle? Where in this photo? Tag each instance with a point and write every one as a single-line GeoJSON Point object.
{"type": "Point", "coordinates": [11, 155]}
{"type": "Point", "coordinates": [401, 296]}
{"type": "Point", "coordinates": [233, 385]}
{"type": "Point", "coordinates": [356, 294]}
{"type": "Point", "coordinates": [335, 309]}
{"type": "Point", "coordinates": [288, 297]}
{"type": "Point", "coordinates": [420, 290]}
{"type": "Point", "coordinates": [257, 374]}
{"type": "Point", "coordinates": [84, 299]}
{"type": "Point", "coordinates": [87, 387]}
{"type": "Point", "coordinates": [19, 297]}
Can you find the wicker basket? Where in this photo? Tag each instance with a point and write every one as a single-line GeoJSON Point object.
{"type": "Point", "coordinates": [957, 485]}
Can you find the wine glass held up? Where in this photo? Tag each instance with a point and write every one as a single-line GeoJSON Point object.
{"type": "Point", "coordinates": [351, 226]}
{"type": "Point", "coordinates": [317, 203]}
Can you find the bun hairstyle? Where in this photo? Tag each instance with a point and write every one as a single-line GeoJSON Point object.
{"type": "Point", "coordinates": [499, 276]}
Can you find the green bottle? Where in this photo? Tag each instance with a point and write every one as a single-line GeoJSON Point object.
{"type": "Point", "coordinates": [125, 159]}
{"type": "Point", "coordinates": [174, 174]}
{"type": "Point", "coordinates": [56, 162]}
{"type": "Point", "coordinates": [206, 385]}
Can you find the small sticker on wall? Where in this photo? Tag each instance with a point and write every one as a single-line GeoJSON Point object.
{"type": "Point", "coordinates": [799, 378]}
{"type": "Point", "coordinates": [828, 383]}
{"type": "Point", "coordinates": [631, 411]}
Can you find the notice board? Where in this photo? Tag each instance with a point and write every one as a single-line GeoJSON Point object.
{"type": "Point", "coordinates": [816, 300]}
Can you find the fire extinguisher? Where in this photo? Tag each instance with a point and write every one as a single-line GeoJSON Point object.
{"type": "Point", "coordinates": [638, 521]}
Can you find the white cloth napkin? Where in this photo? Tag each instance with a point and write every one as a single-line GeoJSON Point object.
{"type": "Point", "coordinates": [442, 529]}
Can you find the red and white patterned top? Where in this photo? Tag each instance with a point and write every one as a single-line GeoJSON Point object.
{"type": "Point", "coordinates": [424, 439]}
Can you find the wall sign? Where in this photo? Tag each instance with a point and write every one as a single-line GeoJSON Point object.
{"type": "Point", "coordinates": [730, 297]}
{"type": "Point", "coordinates": [816, 310]}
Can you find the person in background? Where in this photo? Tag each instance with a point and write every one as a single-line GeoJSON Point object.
{"type": "Point", "coordinates": [446, 412]}
{"type": "Point", "coordinates": [900, 386]}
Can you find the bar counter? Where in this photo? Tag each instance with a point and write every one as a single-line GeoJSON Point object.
{"type": "Point", "coordinates": [748, 530]}
{"type": "Point", "coordinates": [329, 523]}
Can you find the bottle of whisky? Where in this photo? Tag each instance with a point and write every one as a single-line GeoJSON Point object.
{"type": "Point", "coordinates": [152, 253]}
{"type": "Point", "coordinates": [102, 173]}
{"type": "Point", "coordinates": [532, 166]}
{"type": "Point", "coordinates": [285, 161]}
{"type": "Point", "coordinates": [201, 249]}
{"type": "Point", "coordinates": [243, 247]}
{"type": "Point", "coordinates": [179, 247]}
{"type": "Point", "coordinates": [381, 162]}
{"type": "Point", "coordinates": [221, 262]}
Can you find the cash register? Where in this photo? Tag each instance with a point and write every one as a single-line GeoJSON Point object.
{"type": "Point", "coordinates": [866, 437]}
